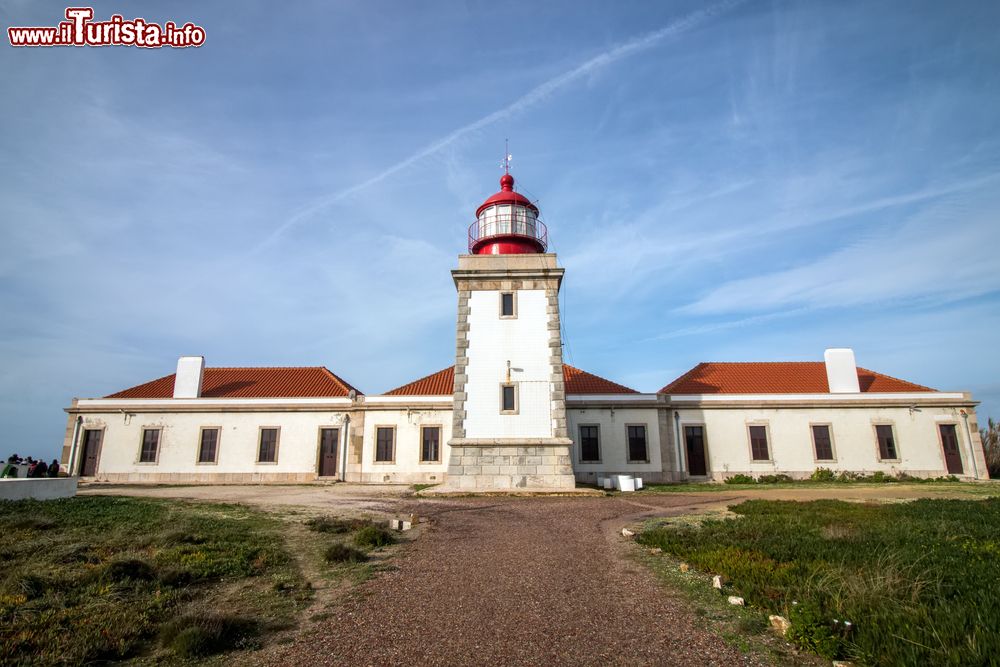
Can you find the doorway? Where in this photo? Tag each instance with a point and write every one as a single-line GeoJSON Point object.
{"type": "Point", "coordinates": [329, 438]}
{"type": "Point", "coordinates": [694, 441]}
{"type": "Point", "coordinates": [90, 451]}
{"type": "Point", "coordinates": [952, 455]}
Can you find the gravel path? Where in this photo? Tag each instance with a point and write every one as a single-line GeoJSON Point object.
{"type": "Point", "coordinates": [504, 581]}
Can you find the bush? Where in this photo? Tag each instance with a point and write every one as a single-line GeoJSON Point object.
{"type": "Point", "coordinates": [812, 631]}
{"type": "Point", "coordinates": [773, 479]}
{"type": "Point", "coordinates": [195, 636]}
{"type": "Point", "coordinates": [822, 475]}
{"type": "Point", "coordinates": [32, 586]}
{"type": "Point", "coordinates": [122, 571]}
{"type": "Point", "coordinates": [371, 537]}
{"type": "Point", "coordinates": [740, 479]}
{"type": "Point", "coordinates": [175, 577]}
{"type": "Point", "coordinates": [329, 524]}
{"type": "Point", "coordinates": [339, 552]}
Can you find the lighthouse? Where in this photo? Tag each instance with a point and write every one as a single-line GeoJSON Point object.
{"type": "Point", "coordinates": [509, 420]}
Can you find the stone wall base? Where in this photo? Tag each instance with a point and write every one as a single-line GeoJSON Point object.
{"type": "Point", "coordinates": [499, 467]}
{"type": "Point", "coordinates": [203, 478]}
{"type": "Point", "coordinates": [389, 477]}
{"type": "Point", "coordinates": [648, 477]}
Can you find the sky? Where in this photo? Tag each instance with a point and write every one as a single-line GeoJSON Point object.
{"type": "Point", "coordinates": [743, 181]}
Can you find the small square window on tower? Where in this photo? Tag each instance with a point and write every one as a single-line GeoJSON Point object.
{"type": "Point", "coordinates": [508, 399]}
{"type": "Point", "coordinates": [508, 304]}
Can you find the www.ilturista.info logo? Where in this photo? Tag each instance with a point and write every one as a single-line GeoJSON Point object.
{"type": "Point", "coordinates": [80, 30]}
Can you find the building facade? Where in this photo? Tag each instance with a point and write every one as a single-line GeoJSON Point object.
{"type": "Point", "coordinates": [509, 414]}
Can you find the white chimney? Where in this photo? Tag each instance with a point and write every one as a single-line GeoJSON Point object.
{"type": "Point", "coordinates": [187, 382]}
{"type": "Point", "coordinates": [841, 371]}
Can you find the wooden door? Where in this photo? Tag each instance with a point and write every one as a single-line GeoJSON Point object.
{"type": "Point", "coordinates": [952, 456]}
{"type": "Point", "coordinates": [91, 449]}
{"type": "Point", "coordinates": [328, 441]}
{"type": "Point", "coordinates": [694, 439]}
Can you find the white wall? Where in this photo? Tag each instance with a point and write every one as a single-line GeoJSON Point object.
{"type": "Point", "coordinates": [298, 441]}
{"type": "Point", "coordinates": [613, 440]}
{"type": "Point", "coordinates": [38, 488]}
{"type": "Point", "coordinates": [407, 467]}
{"type": "Point", "coordinates": [855, 446]}
{"type": "Point", "coordinates": [524, 341]}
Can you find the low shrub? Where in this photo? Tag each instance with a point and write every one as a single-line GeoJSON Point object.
{"type": "Point", "coordinates": [32, 586]}
{"type": "Point", "coordinates": [373, 536]}
{"type": "Point", "coordinates": [329, 524]}
{"type": "Point", "coordinates": [195, 636]}
{"type": "Point", "coordinates": [127, 571]}
{"type": "Point", "coordinates": [338, 552]}
{"type": "Point", "coordinates": [773, 479]}
{"type": "Point", "coordinates": [740, 479]}
{"type": "Point", "coordinates": [812, 630]}
{"type": "Point", "coordinates": [822, 475]}
{"type": "Point", "coordinates": [174, 577]}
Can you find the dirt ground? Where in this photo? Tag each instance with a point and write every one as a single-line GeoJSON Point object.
{"type": "Point", "coordinates": [509, 581]}
{"type": "Point", "coordinates": [387, 498]}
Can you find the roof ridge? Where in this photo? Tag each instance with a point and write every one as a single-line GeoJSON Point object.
{"type": "Point", "coordinates": [347, 386]}
{"type": "Point", "coordinates": [261, 368]}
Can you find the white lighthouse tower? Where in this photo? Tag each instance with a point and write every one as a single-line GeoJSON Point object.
{"type": "Point", "coordinates": [509, 427]}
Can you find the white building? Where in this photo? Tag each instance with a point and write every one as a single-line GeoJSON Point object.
{"type": "Point", "coordinates": [510, 414]}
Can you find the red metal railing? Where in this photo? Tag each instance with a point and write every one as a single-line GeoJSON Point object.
{"type": "Point", "coordinates": [508, 225]}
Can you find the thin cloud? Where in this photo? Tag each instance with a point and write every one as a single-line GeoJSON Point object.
{"type": "Point", "coordinates": [535, 96]}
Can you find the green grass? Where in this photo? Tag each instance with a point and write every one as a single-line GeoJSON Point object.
{"type": "Point", "coordinates": [979, 489]}
{"type": "Point", "coordinates": [96, 578]}
{"type": "Point", "coordinates": [916, 581]}
{"type": "Point", "coordinates": [420, 487]}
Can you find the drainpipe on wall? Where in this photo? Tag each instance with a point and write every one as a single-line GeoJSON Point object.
{"type": "Point", "coordinates": [972, 448]}
{"type": "Point", "coordinates": [677, 442]}
{"type": "Point", "coordinates": [72, 445]}
{"type": "Point", "coordinates": [343, 457]}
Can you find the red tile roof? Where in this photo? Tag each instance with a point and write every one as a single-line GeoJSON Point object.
{"type": "Point", "coordinates": [577, 382]}
{"type": "Point", "coordinates": [301, 382]}
{"type": "Point", "coordinates": [441, 383]}
{"type": "Point", "coordinates": [582, 382]}
{"type": "Point", "coordinates": [775, 377]}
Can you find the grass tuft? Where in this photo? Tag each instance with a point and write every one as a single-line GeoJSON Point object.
{"type": "Point", "coordinates": [128, 570]}
{"type": "Point", "coordinates": [334, 525]}
{"type": "Point", "coordinates": [196, 636]}
{"type": "Point", "coordinates": [371, 537]}
{"type": "Point", "coordinates": [338, 552]}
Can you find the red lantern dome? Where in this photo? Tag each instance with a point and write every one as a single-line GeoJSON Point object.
{"type": "Point", "coordinates": [507, 224]}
